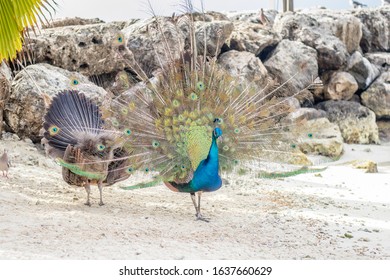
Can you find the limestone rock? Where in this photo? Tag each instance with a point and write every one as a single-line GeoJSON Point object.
{"type": "Point", "coordinates": [293, 59]}
{"type": "Point", "coordinates": [363, 71]}
{"type": "Point", "coordinates": [380, 59]}
{"type": "Point", "coordinates": [332, 53]}
{"type": "Point", "coordinates": [368, 165]}
{"type": "Point", "coordinates": [305, 113]}
{"type": "Point", "coordinates": [26, 106]}
{"type": "Point", "coordinates": [244, 64]}
{"type": "Point", "coordinates": [88, 49]}
{"type": "Point", "coordinates": [252, 37]}
{"type": "Point", "coordinates": [384, 130]}
{"type": "Point", "coordinates": [326, 141]}
{"type": "Point", "coordinates": [339, 85]}
{"type": "Point", "coordinates": [71, 21]}
{"type": "Point", "coordinates": [148, 45]}
{"type": "Point", "coordinates": [377, 96]}
{"type": "Point", "coordinates": [376, 29]}
{"type": "Point", "coordinates": [5, 88]}
{"type": "Point", "coordinates": [341, 24]}
{"type": "Point", "coordinates": [356, 122]}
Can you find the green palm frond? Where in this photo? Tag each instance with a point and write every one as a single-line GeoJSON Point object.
{"type": "Point", "coordinates": [15, 17]}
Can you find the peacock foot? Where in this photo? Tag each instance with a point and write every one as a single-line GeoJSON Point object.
{"type": "Point", "coordinates": [88, 203]}
{"type": "Point", "coordinates": [199, 217]}
{"type": "Point", "coordinates": [101, 203]}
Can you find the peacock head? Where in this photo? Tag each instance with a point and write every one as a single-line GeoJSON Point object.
{"type": "Point", "coordinates": [217, 133]}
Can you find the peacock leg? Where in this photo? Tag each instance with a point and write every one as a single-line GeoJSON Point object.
{"type": "Point", "coordinates": [100, 186]}
{"type": "Point", "coordinates": [194, 202]}
{"type": "Point", "coordinates": [88, 190]}
{"type": "Point", "coordinates": [198, 209]}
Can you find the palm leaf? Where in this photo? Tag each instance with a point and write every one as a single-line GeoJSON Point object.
{"type": "Point", "coordinates": [15, 17]}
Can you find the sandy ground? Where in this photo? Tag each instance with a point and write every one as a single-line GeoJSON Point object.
{"type": "Point", "coordinates": [340, 213]}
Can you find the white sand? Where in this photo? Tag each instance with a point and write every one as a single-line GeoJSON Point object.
{"type": "Point", "coordinates": [301, 217]}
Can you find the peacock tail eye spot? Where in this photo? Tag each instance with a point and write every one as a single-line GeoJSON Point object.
{"type": "Point", "coordinates": [225, 148]}
{"type": "Point", "coordinates": [100, 147]}
{"type": "Point", "coordinates": [175, 103]}
{"type": "Point", "coordinates": [310, 135]}
{"type": "Point", "coordinates": [183, 167]}
{"type": "Point", "coordinates": [236, 130]}
{"type": "Point", "coordinates": [124, 111]}
{"type": "Point", "coordinates": [129, 170]}
{"type": "Point", "coordinates": [236, 162]}
{"type": "Point", "coordinates": [146, 169]}
{"type": "Point", "coordinates": [120, 39]}
{"type": "Point", "coordinates": [179, 144]}
{"type": "Point", "coordinates": [181, 118]}
{"type": "Point", "coordinates": [200, 86]}
{"type": "Point", "coordinates": [75, 82]}
{"type": "Point", "coordinates": [115, 122]}
{"type": "Point", "coordinates": [193, 96]}
{"type": "Point", "coordinates": [127, 132]}
{"type": "Point", "coordinates": [54, 130]}
{"type": "Point", "coordinates": [155, 144]}
{"type": "Point", "coordinates": [293, 146]}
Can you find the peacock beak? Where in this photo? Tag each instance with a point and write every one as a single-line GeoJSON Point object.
{"type": "Point", "coordinates": [220, 139]}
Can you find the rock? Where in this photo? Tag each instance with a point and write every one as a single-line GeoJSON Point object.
{"type": "Point", "coordinates": [331, 52]}
{"type": "Point", "coordinates": [71, 21]}
{"type": "Point", "coordinates": [88, 49]}
{"type": "Point", "coordinates": [148, 45]}
{"type": "Point", "coordinates": [363, 71]}
{"type": "Point", "coordinates": [356, 122]}
{"type": "Point", "coordinates": [305, 113]}
{"type": "Point", "coordinates": [380, 59]}
{"type": "Point", "coordinates": [377, 96]}
{"type": "Point", "coordinates": [26, 107]}
{"type": "Point", "coordinates": [253, 17]}
{"type": "Point", "coordinates": [339, 85]}
{"type": "Point", "coordinates": [293, 59]}
{"type": "Point", "coordinates": [376, 29]}
{"type": "Point", "coordinates": [317, 90]}
{"type": "Point", "coordinates": [253, 37]}
{"type": "Point", "coordinates": [384, 130]}
{"type": "Point", "coordinates": [244, 64]}
{"type": "Point", "coordinates": [368, 165]}
{"type": "Point", "coordinates": [326, 140]}
{"type": "Point", "coordinates": [341, 24]}
{"type": "Point", "coordinates": [5, 88]}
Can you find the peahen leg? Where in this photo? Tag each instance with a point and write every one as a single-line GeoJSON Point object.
{"type": "Point", "coordinates": [88, 190]}
{"type": "Point", "coordinates": [100, 186]}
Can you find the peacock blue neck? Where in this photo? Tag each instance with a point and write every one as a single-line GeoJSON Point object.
{"type": "Point", "coordinates": [206, 177]}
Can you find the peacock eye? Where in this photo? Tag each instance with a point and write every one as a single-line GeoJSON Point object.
{"type": "Point", "coordinates": [200, 86]}
{"type": "Point", "coordinates": [129, 170]}
{"type": "Point", "coordinates": [54, 130]}
{"type": "Point", "coordinates": [155, 144]}
{"type": "Point", "coordinates": [100, 147]}
{"type": "Point", "coordinates": [193, 96]}
{"type": "Point", "coordinates": [127, 132]}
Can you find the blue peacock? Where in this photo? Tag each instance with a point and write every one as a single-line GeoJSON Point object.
{"type": "Point", "coordinates": [193, 122]}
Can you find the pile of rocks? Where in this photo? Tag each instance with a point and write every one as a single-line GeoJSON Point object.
{"type": "Point", "coordinates": [345, 53]}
